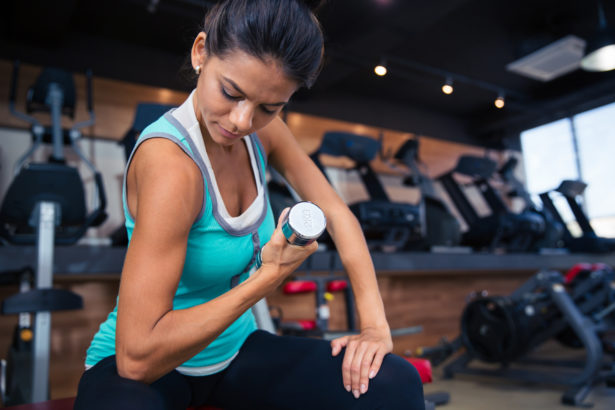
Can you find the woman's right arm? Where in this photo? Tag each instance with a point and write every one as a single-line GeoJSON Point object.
{"type": "Point", "coordinates": [165, 194]}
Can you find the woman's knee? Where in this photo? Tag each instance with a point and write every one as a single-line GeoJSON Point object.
{"type": "Point", "coordinates": [399, 382]}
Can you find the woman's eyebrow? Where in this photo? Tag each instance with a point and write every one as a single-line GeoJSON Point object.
{"type": "Point", "coordinates": [239, 90]}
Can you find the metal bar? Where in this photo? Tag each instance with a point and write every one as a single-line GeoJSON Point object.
{"type": "Point", "coordinates": [38, 131]}
{"type": "Point", "coordinates": [45, 239]}
{"type": "Point", "coordinates": [540, 280]}
{"type": "Point", "coordinates": [495, 202]}
{"type": "Point", "coordinates": [548, 204]}
{"type": "Point", "coordinates": [42, 320]}
{"type": "Point", "coordinates": [584, 329]}
{"type": "Point", "coordinates": [394, 333]}
{"type": "Point", "coordinates": [579, 215]}
{"type": "Point", "coordinates": [55, 99]}
{"type": "Point", "coordinates": [461, 202]}
{"type": "Point", "coordinates": [372, 183]}
{"type": "Point", "coordinates": [262, 316]}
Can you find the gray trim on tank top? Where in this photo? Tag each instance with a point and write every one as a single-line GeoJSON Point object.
{"type": "Point", "coordinates": [172, 138]}
{"type": "Point", "coordinates": [257, 146]}
{"type": "Point", "coordinates": [214, 199]}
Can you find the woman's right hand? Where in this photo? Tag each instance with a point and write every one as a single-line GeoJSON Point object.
{"type": "Point", "coordinates": [279, 258]}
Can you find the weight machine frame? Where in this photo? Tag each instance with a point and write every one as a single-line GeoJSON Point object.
{"type": "Point", "coordinates": [583, 374]}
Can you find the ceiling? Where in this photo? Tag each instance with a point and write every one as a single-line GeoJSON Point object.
{"type": "Point", "coordinates": [146, 41]}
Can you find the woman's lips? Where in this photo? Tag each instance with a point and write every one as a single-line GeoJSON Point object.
{"type": "Point", "coordinates": [228, 134]}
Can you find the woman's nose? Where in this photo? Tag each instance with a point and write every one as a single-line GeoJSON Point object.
{"type": "Point", "coordinates": [241, 116]}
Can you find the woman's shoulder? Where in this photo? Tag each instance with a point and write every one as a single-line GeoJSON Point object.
{"type": "Point", "coordinates": [160, 161]}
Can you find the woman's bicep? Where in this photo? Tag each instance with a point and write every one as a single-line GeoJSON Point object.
{"type": "Point", "coordinates": [168, 201]}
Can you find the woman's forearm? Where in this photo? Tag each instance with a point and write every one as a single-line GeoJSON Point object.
{"type": "Point", "coordinates": [352, 248]}
{"type": "Point", "coordinates": [180, 334]}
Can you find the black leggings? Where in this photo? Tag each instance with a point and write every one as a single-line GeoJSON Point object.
{"type": "Point", "coordinates": [270, 372]}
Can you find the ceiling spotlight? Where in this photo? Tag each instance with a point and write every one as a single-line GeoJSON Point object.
{"type": "Point", "coordinates": [499, 102]}
{"type": "Point", "coordinates": [447, 88]}
{"type": "Point", "coordinates": [600, 49]}
{"type": "Point", "coordinates": [381, 69]}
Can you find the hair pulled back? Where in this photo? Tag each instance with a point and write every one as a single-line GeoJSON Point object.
{"type": "Point", "coordinates": [286, 30]}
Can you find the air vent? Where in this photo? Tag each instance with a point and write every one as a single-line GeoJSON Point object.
{"type": "Point", "coordinates": [551, 61]}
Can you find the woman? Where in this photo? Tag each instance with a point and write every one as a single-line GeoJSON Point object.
{"type": "Point", "coordinates": [197, 214]}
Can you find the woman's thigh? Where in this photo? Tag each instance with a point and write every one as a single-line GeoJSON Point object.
{"type": "Point", "coordinates": [101, 387]}
{"type": "Point", "coordinates": [275, 372]}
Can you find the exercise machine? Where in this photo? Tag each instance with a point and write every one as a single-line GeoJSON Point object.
{"type": "Point", "coordinates": [588, 241]}
{"type": "Point", "coordinates": [44, 206]}
{"type": "Point", "coordinates": [553, 234]}
{"type": "Point", "coordinates": [501, 228]}
{"type": "Point", "coordinates": [441, 228]}
{"type": "Point", "coordinates": [323, 288]}
{"type": "Point", "coordinates": [387, 225]}
{"type": "Point", "coordinates": [505, 332]}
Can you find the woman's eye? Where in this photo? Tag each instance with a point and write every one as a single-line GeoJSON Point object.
{"type": "Point", "coordinates": [229, 96]}
{"type": "Point", "coordinates": [268, 111]}
{"type": "Point", "coordinates": [239, 97]}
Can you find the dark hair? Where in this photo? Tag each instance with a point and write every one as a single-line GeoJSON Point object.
{"type": "Point", "coordinates": [286, 30]}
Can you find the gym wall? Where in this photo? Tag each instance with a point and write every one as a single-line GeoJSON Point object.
{"type": "Point", "coordinates": [115, 104]}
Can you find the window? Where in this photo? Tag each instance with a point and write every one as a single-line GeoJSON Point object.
{"type": "Point", "coordinates": [581, 147]}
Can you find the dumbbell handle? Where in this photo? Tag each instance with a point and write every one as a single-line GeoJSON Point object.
{"type": "Point", "coordinates": [301, 226]}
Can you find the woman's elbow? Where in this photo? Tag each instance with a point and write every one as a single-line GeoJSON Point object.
{"type": "Point", "coordinates": [133, 369]}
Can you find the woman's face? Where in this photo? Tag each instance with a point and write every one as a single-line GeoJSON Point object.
{"type": "Point", "coordinates": [239, 94]}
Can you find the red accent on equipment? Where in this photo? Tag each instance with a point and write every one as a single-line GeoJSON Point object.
{"type": "Point", "coordinates": [600, 266]}
{"type": "Point", "coordinates": [299, 286]}
{"type": "Point", "coordinates": [337, 285]}
{"type": "Point", "coordinates": [423, 366]}
{"type": "Point", "coordinates": [575, 270]}
{"type": "Point", "coordinates": [307, 324]}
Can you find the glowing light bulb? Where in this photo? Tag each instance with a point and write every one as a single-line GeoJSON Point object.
{"type": "Point", "coordinates": [499, 102]}
{"type": "Point", "coordinates": [380, 70]}
{"type": "Point", "coordinates": [447, 88]}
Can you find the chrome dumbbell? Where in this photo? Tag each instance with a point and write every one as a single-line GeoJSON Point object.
{"type": "Point", "coordinates": [301, 226]}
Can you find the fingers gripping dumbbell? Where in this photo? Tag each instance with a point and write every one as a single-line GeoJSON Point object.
{"type": "Point", "coordinates": [301, 226]}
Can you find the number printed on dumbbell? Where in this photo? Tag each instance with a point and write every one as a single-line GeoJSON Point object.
{"type": "Point", "coordinates": [307, 219]}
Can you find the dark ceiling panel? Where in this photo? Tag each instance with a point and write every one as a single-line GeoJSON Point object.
{"type": "Point", "coordinates": [147, 41]}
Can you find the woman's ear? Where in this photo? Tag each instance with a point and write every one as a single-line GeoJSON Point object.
{"type": "Point", "coordinates": [198, 51]}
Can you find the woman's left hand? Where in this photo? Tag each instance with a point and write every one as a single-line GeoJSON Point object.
{"type": "Point", "coordinates": [363, 357]}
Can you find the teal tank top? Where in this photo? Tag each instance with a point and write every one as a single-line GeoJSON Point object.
{"type": "Point", "coordinates": [218, 255]}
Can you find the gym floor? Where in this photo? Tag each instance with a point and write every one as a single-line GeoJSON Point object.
{"type": "Point", "coordinates": [470, 392]}
{"type": "Point", "coordinates": [482, 393]}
